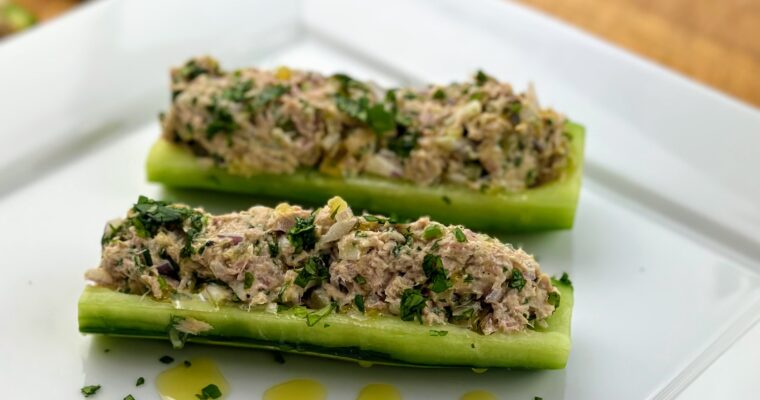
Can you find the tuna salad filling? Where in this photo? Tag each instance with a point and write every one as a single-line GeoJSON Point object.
{"type": "Point", "coordinates": [326, 260]}
{"type": "Point", "coordinates": [479, 134]}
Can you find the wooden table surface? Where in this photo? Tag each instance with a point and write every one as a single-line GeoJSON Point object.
{"type": "Point", "coordinates": [716, 42]}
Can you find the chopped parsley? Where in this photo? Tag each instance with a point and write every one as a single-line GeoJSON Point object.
{"type": "Point", "coordinates": [433, 231]}
{"type": "Point", "coordinates": [412, 304]}
{"type": "Point", "coordinates": [209, 392]}
{"type": "Point", "coordinates": [517, 281]}
{"type": "Point", "coordinates": [403, 143]}
{"type": "Point", "coordinates": [481, 78]}
{"type": "Point", "coordinates": [439, 94]}
{"type": "Point", "coordinates": [192, 70]}
{"type": "Point", "coordinates": [315, 316]}
{"type": "Point", "coordinates": [303, 235]}
{"type": "Point", "coordinates": [554, 299]}
{"type": "Point", "coordinates": [436, 274]}
{"type": "Point", "coordinates": [377, 116]}
{"type": "Point", "coordinates": [434, 332]}
{"type": "Point", "coordinates": [565, 279]}
{"type": "Point", "coordinates": [187, 364]}
{"type": "Point", "coordinates": [446, 199]}
{"type": "Point", "coordinates": [90, 390]}
{"type": "Point", "coordinates": [151, 215]}
{"type": "Point", "coordinates": [220, 120]}
{"type": "Point", "coordinates": [274, 248]}
{"type": "Point", "coordinates": [314, 270]}
{"type": "Point", "coordinates": [380, 119]}
{"type": "Point", "coordinates": [248, 282]}
{"type": "Point", "coordinates": [359, 301]}
{"type": "Point", "coordinates": [140, 381]}
{"type": "Point", "coordinates": [530, 177]}
{"type": "Point", "coordinates": [459, 235]}
{"type": "Point", "coordinates": [268, 95]}
{"type": "Point", "coordinates": [360, 279]}
{"type": "Point", "coordinates": [129, 397]}
{"type": "Point", "coordinates": [356, 109]}
{"type": "Point", "coordinates": [374, 218]}
{"type": "Point", "coordinates": [166, 359]}
{"type": "Point", "coordinates": [237, 92]}
{"type": "Point", "coordinates": [145, 253]}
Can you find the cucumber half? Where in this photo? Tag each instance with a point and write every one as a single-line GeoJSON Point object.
{"type": "Point", "coordinates": [373, 339]}
{"type": "Point", "coordinates": [549, 206]}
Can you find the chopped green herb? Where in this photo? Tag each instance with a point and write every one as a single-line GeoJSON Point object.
{"type": "Point", "coordinates": [554, 299]}
{"type": "Point", "coordinates": [150, 215]}
{"type": "Point", "coordinates": [360, 279]}
{"type": "Point", "coordinates": [477, 96]}
{"type": "Point", "coordinates": [468, 278]}
{"type": "Point", "coordinates": [166, 359]}
{"type": "Point", "coordinates": [191, 70]}
{"type": "Point", "coordinates": [359, 301]}
{"type": "Point", "coordinates": [220, 120]}
{"type": "Point", "coordinates": [268, 95]}
{"type": "Point", "coordinates": [481, 78]}
{"type": "Point", "coordinates": [380, 119]}
{"type": "Point", "coordinates": [274, 248]}
{"type": "Point", "coordinates": [248, 280]}
{"type": "Point", "coordinates": [373, 218]}
{"type": "Point", "coordinates": [356, 109]}
{"type": "Point", "coordinates": [459, 235]}
{"type": "Point", "coordinates": [439, 94]}
{"type": "Point", "coordinates": [403, 143]}
{"type": "Point", "coordinates": [145, 253]}
{"type": "Point", "coordinates": [140, 381]}
{"type": "Point", "coordinates": [237, 92]}
{"type": "Point", "coordinates": [433, 231]}
{"type": "Point", "coordinates": [434, 271]}
{"type": "Point", "coordinates": [303, 235]}
{"type": "Point", "coordinates": [187, 363]}
{"type": "Point", "coordinates": [315, 316]}
{"type": "Point", "coordinates": [90, 390]}
{"type": "Point", "coordinates": [565, 279]}
{"type": "Point", "coordinates": [314, 270]}
{"type": "Point", "coordinates": [537, 398]}
{"type": "Point", "coordinates": [434, 332]}
{"type": "Point", "coordinates": [530, 177]}
{"type": "Point", "coordinates": [517, 281]}
{"type": "Point", "coordinates": [412, 304]}
{"type": "Point", "coordinates": [129, 397]}
{"type": "Point", "coordinates": [107, 350]}
{"type": "Point", "coordinates": [209, 392]}
{"type": "Point", "coordinates": [278, 358]}
{"type": "Point", "coordinates": [196, 227]}
{"type": "Point", "coordinates": [446, 199]}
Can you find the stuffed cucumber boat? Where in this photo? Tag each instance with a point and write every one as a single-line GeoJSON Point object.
{"type": "Point", "coordinates": [327, 282]}
{"type": "Point", "coordinates": [474, 153]}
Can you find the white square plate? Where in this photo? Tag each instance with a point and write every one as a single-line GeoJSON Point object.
{"type": "Point", "coordinates": [664, 255]}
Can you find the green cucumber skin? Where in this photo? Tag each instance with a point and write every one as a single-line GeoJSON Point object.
{"type": "Point", "coordinates": [551, 206]}
{"type": "Point", "coordinates": [378, 340]}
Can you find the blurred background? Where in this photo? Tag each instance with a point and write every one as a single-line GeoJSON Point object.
{"type": "Point", "coordinates": [715, 42]}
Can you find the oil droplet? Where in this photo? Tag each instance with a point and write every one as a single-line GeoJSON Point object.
{"type": "Point", "coordinates": [184, 382]}
{"type": "Point", "coordinates": [379, 391]}
{"type": "Point", "coordinates": [297, 389]}
{"type": "Point", "coordinates": [478, 395]}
